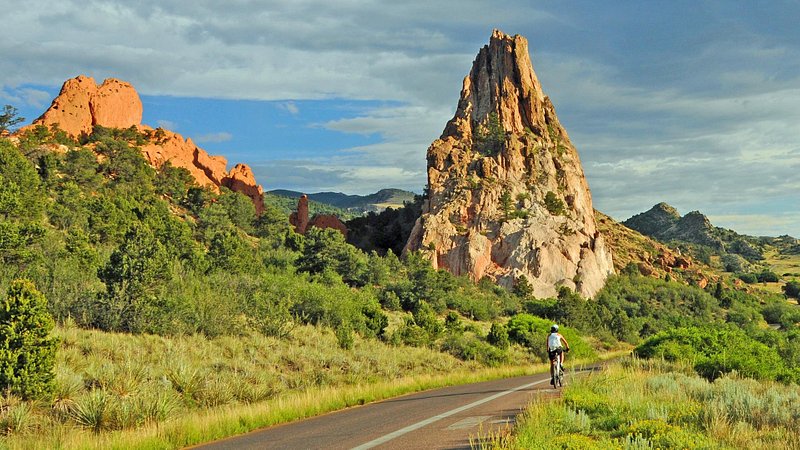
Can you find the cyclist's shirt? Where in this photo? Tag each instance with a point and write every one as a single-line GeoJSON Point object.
{"type": "Point", "coordinates": [553, 341]}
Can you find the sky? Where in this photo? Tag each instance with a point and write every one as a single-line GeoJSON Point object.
{"type": "Point", "coordinates": [692, 103]}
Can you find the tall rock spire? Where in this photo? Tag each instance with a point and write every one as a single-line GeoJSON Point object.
{"type": "Point", "coordinates": [507, 197]}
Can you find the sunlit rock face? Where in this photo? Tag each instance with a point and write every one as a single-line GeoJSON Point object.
{"type": "Point", "coordinates": [507, 197]}
{"type": "Point", "coordinates": [82, 104]}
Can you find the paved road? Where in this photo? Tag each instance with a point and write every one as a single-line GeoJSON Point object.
{"type": "Point", "coordinates": [438, 419]}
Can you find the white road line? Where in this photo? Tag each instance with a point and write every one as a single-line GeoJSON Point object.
{"type": "Point", "coordinates": [430, 420]}
{"type": "Point", "coordinates": [469, 422]}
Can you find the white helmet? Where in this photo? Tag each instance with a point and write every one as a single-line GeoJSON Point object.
{"type": "Point", "coordinates": [554, 327]}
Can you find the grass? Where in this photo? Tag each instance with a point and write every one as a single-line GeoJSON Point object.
{"type": "Point", "coordinates": [662, 407]}
{"type": "Point", "coordinates": [781, 265]}
{"type": "Point", "coordinates": [117, 390]}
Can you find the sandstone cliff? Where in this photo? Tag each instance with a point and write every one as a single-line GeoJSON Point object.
{"type": "Point", "coordinates": [82, 104]}
{"type": "Point", "coordinates": [507, 197]}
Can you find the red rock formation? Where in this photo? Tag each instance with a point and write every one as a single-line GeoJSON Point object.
{"type": "Point", "coordinates": [328, 221]}
{"type": "Point", "coordinates": [490, 175]}
{"type": "Point", "coordinates": [82, 104]}
{"type": "Point", "coordinates": [301, 223]}
{"type": "Point", "coordinates": [299, 218]}
{"type": "Point", "coordinates": [241, 179]}
{"type": "Point", "coordinates": [172, 147]}
{"type": "Point", "coordinates": [682, 263]}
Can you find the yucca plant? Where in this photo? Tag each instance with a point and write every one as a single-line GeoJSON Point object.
{"type": "Point", "coordinates": [215, 392]}
{"type": "Point", "coordinates": [185, 379]}
{"type": "Point", "coordinates": [16, 418]}
{"type": "Point", "coordinates": [156, 404]}
{"type": "Point", "coordinates": [93, 410]}
{"type": "Point", "coordinates": [68, 385]}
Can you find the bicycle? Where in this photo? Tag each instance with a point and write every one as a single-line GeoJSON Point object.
{"type": "Point", "coordinates": [557, 380]}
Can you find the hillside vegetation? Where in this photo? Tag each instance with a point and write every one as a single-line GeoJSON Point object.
{"type": "Point", "coordinates": [172, 299]}
{"type": "Point", "coordinates": [770, 261]}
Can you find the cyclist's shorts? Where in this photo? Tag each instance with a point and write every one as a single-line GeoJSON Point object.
{"type": "Point", "coordinates": [554, 353]}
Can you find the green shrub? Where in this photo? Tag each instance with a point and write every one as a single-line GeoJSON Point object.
{"type": "Point", "coordinates": [792, 289]}
{"type": "Point", "coordinates": [490, 138]}
{"type": "Point", "coordinates": [531, 332]}
{"type": "Point", "coordinates": [468, 347]}
{"type": "Point", "coordinates": [554, 204]}
{"type": "Point", "coordinates": [498, 336]}
{"type": "Point", "coordinates": [714, 351]}
{"type": "Point", "coordinates": [749, 278]}
{"type": "Point", "coordinates": [768, 276]}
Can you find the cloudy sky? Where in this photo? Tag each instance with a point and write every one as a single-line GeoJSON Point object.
{"type": "Point", "coordinates": [694, 103]}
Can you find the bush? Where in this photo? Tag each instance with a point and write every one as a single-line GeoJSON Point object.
{"type": "Point", "coordinates": [468, 347]}
{"type": "Point", "coordinates": [498, 336]}
{"type": "Point", "coordinates": [792, 289]}
{"type": "Point", "coordinates": [749, 278]}
{"type": "Point", "coordinates": [531, 332]}
{"type": "Point", "coordinates": [554, 204]}
{"type": "Point", "coordinates": [27, 352]}
{"type": "Point", "coordinates": [714, 351]}
{"type": "Point", "coordinates": [768, 276]}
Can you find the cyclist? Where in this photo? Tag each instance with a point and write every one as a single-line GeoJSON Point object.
{"type": "Point", "coordinates": [555, 349]}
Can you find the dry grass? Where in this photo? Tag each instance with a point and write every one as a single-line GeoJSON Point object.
{"type": "Point", "coordinates": [141, 391]}
{"type": "Point", "coordinates": [644, 404]}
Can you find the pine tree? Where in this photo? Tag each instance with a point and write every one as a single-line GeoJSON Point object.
{"type": "Point", "coordinates": [27, 352]}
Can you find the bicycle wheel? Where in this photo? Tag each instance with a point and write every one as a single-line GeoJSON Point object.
{"type": "Point", "coordinates": [556, 375]}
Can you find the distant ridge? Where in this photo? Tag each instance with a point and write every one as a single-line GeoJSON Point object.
{"type": "Point", "coordinates": [384, 198]}
{"type": "Point", "coordinates": [664, 223]}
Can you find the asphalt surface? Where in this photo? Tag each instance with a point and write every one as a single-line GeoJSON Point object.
{"type": "Point", "coordinates": [447, 418]}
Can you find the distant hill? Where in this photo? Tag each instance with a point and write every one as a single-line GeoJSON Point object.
{"type": "Point", "coordinates": [663, 222]}
{"type": "Point", "coordinates": [696, 232]}
{"type": "Point", "coordinates": [385, 198]}
{"type": "Point", "coordinates": [649, 256]}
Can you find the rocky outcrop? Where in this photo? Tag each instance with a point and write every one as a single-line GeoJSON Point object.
{"type": "Point", "coordinates": [657, 219]}
{"type": "Point", "coordinates": [241, 179]}
{"type": "Point", "coordinates": [507, 197]}
{"type": "Point", "coordinates": [82, 104]}
{"type": "Point", "coordinates": [168, 146]}
{"type": "Point", "coordinates": [650, 257]}
{"type": "Point", "coordinates": [328, 221]}
{"type": "Point", "coordinates": [299, 218]}
{"type": "Point", "coordinates": [301, 223]}
{"type": "Point", "coordinates": [663, 222]}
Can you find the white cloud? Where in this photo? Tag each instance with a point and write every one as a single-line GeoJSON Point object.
{"type": "Point", "coordinates": [222, 136]}
{"type": "Point", "coordinates": [25, 96]}
{"type": "Point", "coordinates": [290, 107]}
{"type": "Point", "coordinates": [167, 124]}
